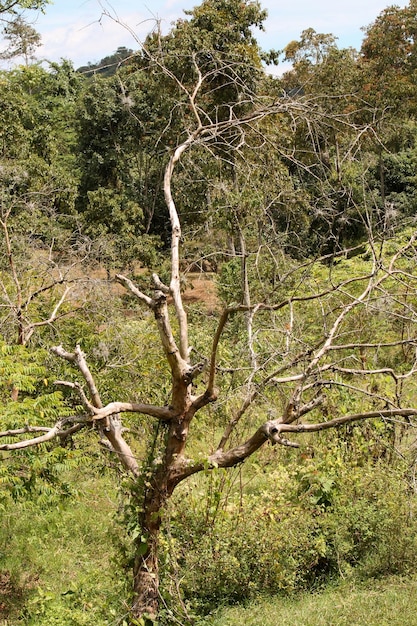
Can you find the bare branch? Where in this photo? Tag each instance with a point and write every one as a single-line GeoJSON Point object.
{"type": "Point", "coordinates": [113, 408]}
{"type": "Point", "coordinates": [310, 406]}
{"type": "Point", "coordinates": [212, 373]}
{"type": "Point", "coordinates": [113, 429]}
{"type": "Point", "coordinates": [28, 330]}
{"type": "Point", "coordinates": [84, 400]}
{"type": "Point", "coordinates": [373, 346]}
{"type": "Point", "coordinates": [159, 284]}
{"type": "Point", "coordinates": [338, 421]}
{"type": "Point", "coordinates": [22, 431]}
{"type": "Point", "coordinates": [175, 286]}
{"type": "Point", "coordinates": [51, 433]}
{"type": "Point", "coordinates": [130, 286]}
{"type": "Point", "coordinates": [78, 358]}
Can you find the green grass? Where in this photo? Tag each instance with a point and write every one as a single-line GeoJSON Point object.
{"type": "Point", "coordinates": [57, 562]}
{"type": "Point", "coordinates": [392, 602]}
{"type": "Point", "coordinates": [59, 566]}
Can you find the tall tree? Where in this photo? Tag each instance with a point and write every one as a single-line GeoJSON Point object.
{"type": "Point", "coordinates": [123, 134]}
{"type": "Point", "coordinates": [37, 196]}
{"type": "Point", "coordinates": [387, 65]}
{"type": "Point", "coordinates": [23, 40]}
{"type": "Point", "coordinates": [389, 58]}
{"type": "Point", "coordinates": [321, 70]}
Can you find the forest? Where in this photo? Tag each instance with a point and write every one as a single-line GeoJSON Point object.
{"type": "Point", "coordinates": [208, 364]}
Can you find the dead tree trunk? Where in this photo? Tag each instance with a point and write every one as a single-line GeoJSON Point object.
{"type": "Point", "coordinates": [160, 479]}
{"type": "Point", "coordinates": [146, 565]}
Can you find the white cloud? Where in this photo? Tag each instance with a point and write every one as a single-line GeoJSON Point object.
{"type": "Point", "coordinates": [74, 29]}
{"type": "Point", "coordinates": [83, 41]}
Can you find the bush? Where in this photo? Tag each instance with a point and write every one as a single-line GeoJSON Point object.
{"type": "Point", "coordinates": [312, 520]}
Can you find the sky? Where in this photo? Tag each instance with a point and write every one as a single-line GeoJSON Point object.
{"type": "Point", "coordinates": [77, 30]}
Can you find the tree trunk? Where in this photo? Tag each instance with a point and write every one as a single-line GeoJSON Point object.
{"type": "Point", "coordinates": [146, 577]}
{"type": "Point", "coordinates": [146, 570]}
{"type": "Point", "coordinates": [159, 489]}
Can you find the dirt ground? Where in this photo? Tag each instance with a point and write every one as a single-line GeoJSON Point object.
{"type": "Point", "coordinates": [201, 288]}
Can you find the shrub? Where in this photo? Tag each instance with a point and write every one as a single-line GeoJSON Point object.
{"type": "Point", "coordinates": [312, 520]}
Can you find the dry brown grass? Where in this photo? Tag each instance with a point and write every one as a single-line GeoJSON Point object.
{"type": "Point", "coordinates": [201, 288]}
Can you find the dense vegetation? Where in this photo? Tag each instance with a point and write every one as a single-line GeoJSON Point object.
{"type": "Point", "coordinates": [291, 277]}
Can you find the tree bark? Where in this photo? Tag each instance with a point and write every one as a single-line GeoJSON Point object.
{"type": "Point", "coordinates": [146, 568]}
{"type": "Point", "coordinates": [146, 573]}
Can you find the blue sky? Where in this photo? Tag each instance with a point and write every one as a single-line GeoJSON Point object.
{"type": "Point", "coordinates": [73, 28]}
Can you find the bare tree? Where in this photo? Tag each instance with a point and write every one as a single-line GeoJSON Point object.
{"type": "Point", "coordinates": [22, 37]}
{"type": "Point", "coordinates": [294, 371]}
{"type": "Point", "coordinates": [23, 41]}
{"type": "Point", "coordinates": [30, 272]}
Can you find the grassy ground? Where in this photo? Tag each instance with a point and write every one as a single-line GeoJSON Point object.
{"type": "Point", "coordinates": [58, 560]}
{"type": "Point", "coordinates": [59, 567]}
{"type": "Point", "coordinates": [392, 602]}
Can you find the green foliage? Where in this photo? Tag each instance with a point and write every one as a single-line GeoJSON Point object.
{"type": "Point", "coordinates": [11, 7]}
{"type": "Point", "coordinates": [388, 58]}
{"type": "Point", "coordinates": [119, 188]}
{"type": "Point", "coordinates": [77, 606]}
{"type": "Point", "coordinates": [295, 526]}
{"type": "Point", "coordinates": [216, 32]}
{"type": "Point", "coordinates": [23, 374]}
{"type": "Point", "coordinates": [398, 185]}
{"type": "Point", "coordinates": [35, 474]}
{"type": "Point", "coordinates": [109, 65]}
{"type": "Point", "coordinates": [59, 574]}
{"type": "Point", "coordinates": [38, 168]}
{"type": "Point", "coordinates": [22, 369]}
{"type": "Point", "coordinates": [123, 130]}
{"type": "Point", "coordinates": [230, 281]}
{"type": "Point", "coordinates": [133, 540]}
{"type": "Point", "coordinates": [23, 40]}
